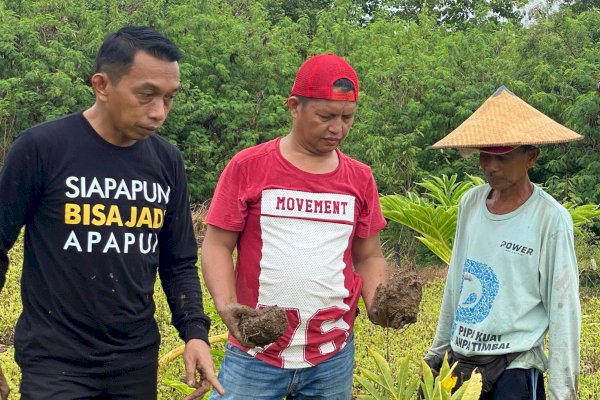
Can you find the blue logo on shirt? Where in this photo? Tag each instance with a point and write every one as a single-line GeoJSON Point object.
{"type": "Point", "coordinates": [479, 288]}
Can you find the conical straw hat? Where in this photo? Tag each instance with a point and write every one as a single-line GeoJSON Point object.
{"type": "Point", "coordinates": [506, 120]}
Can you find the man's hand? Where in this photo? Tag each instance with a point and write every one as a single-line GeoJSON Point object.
{"type": "Point", "coordinates": [252, 327]}
{"type": "Point", "coordinates": [196, 357]}
{"type": "Point", "coordinates": [231, 316]}
{"type": "Point", "coordinates": [378, 314]}
{"type": "Point", "coordinates": [397, 303]}
{"type": "Point", "coordinates": [4, 389]}
{"type": "Point", "coordinates": [434, 366]}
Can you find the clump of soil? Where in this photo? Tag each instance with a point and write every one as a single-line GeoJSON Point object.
{"type": "Point", "coordinates": [397, 303]}
{"type": "Point", "coordinates": [264, 326]}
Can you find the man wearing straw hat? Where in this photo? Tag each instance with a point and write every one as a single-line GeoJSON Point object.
{"type": "Point", "coordinates": [513, 275]}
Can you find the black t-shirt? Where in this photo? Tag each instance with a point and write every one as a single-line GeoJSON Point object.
{"type": "Point", "coordinates": [100, 220]}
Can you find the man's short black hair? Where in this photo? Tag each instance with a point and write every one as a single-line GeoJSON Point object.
{"type": "Point", "coordinates": [118, 50]}
{"type": "Point", "coordinates": [341, 85]}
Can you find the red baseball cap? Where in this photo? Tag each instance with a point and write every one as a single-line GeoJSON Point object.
{"type": "Point", "coordinates": [316, 77]}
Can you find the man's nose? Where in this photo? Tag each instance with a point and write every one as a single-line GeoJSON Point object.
{"type": "Point", "coordinates": [491, 164]}
{"type": "Point", "coordinates": [158, 110]}
{"type": "Point", "coordinates": [336, 126]}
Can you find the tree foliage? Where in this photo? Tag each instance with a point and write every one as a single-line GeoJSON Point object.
{"type": "Point", "coordinates": [424, 67]}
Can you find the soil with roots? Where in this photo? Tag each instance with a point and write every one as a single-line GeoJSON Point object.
{"type": "Point", "coordinates": [263, 326]}
{"type": "Point", "coordinates": [398, 301]}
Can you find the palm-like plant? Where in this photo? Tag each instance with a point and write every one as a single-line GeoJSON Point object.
{"type": "Point", "coordinates": [440, 387]}
{"type": "Point", "coordinates": [433, 214]}
{"type": "Point", "coordinates": [383, 385]}
{"type": "Point", "coordinates": [583, 214]}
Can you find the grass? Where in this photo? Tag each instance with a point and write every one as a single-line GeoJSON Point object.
{"type": "Point", "coordinates": [412, 342]}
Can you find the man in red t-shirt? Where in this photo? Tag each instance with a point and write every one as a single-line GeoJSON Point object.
{"type": "Point", "coordinates": [305, 219]}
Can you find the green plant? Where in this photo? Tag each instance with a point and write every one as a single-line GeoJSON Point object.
{"type": "Point", "coordinates": [175, 353]}
{"type": "Point", "coordinates": [441, 387]}
{"type": "Point", "coordinates": [178, 385]}
{"type": "Point", "coordinates": [383, 385]}
{"type": "Point", "coordinates": [583, 214]}
{"type": "Point", "coordinates": [432, 215]}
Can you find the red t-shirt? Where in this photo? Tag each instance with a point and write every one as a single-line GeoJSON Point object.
{"type": "Point", "coordinates": [295, 246]}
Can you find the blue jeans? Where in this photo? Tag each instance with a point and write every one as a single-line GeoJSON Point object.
{"type": "Point", "coordinates": [245, 377]}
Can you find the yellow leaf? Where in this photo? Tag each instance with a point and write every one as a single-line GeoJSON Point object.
{"type": "Point", "coordinates": [449, 382]}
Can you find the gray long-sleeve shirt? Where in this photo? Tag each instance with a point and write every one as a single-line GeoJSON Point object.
{"type": "Point", "coordinates": [512, 279]}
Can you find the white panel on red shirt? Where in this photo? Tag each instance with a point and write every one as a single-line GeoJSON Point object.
{"type": "Point", "coordinates": [302, 262]}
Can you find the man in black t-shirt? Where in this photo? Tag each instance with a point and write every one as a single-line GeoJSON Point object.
{"type": "Point", "coordinates": [104, 203]}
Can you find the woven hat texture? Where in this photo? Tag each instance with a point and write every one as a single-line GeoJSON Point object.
{"type": "Point", "coordinates": [506, 120]}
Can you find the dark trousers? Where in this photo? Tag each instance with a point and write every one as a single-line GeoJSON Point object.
{"type": "Point", "coordinates": [517, 384]}
{"type": "Point", "coordinates": [130, 385]}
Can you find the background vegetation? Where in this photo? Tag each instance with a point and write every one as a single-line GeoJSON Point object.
{"type": "Point", "coordinates": [412, 342]}
{"type": "Point", "coordinates": [424, 67]}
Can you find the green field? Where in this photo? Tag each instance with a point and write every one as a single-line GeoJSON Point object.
{"type": "Point", "coordinates": [411, 342]}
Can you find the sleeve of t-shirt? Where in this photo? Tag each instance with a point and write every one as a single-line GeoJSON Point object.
{"type": "Point", "coordinates": [177, 263]}
{"type": "Point", "coordinates": [20, 189]}
{"type": "Point", "coordinates": [370, 218]}
{"type": "Point", "coordinates": [442, 339]}
{"type": "Point", "coordinates": [228, 208]}
{"type": "Point", "coordinates": [559, 283]}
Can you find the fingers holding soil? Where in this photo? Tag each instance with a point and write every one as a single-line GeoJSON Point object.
{"type": "Point", "coordinates": [397, 303]}
{"type": "Point", "coordinates": [378, 314]}
{"type": "Point", "coordinates": [264, 326]}
{"type": "Point", "coordinates": [202, 386]}
{"type": "Point", "coordinates": [252, 327]}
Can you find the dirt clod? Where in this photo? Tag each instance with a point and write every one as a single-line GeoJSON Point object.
{"type": "Point", "coordinates": [397, 303]}
{"type": "Point", "coordinates": [263, 326]}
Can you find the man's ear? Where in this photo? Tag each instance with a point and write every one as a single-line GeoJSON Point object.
{"type": "Point", "coordinates": [101, 83]}
{"type": "Point", "coordinates": [293, 105]}
{"type": "Point", "coordinates": [533, 156]}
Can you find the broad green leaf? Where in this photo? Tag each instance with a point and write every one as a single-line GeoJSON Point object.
{"type": "Point", "coordinates": [178, 385]}
{"type": "Point", "coordinates": [427, 383]}
{"type": "Point", "coordinates": [374, 377]}
{"type": "Point", "coordinates": [384, 369]}
{"type": "Point", "coordinates": [470, 389]}
{"type": "Point", "coordinates": [373, 392]}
